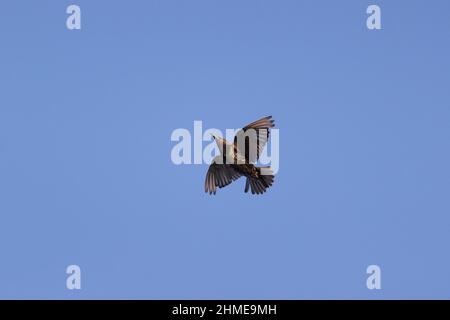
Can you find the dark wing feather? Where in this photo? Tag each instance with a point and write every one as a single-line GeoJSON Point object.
{"type": "Point", "coordinates": [219, 175]}
{"type": "Point", "coordinates": [256, 139]}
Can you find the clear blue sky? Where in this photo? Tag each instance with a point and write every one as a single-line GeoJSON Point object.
{"type": "Point", "coordinates": [85, 170]}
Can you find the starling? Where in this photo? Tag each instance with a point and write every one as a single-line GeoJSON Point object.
{"type": "Point", "coordinates": [238, 159]}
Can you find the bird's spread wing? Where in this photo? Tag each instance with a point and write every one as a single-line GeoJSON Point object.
{"type": "Point", "coordinates": [251, 140]}
{"type": "Point", "coordinates": [219, 175]}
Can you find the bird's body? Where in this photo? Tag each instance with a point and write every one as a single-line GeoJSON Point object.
{"type": "Point", "coordinates": [237, 159]}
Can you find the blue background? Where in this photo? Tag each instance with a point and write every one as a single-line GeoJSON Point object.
{"type": "Point", "coordinates": [85, 170]}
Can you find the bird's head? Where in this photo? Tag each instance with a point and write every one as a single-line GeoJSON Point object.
{"type": "Point", "coordinates": [219, 140]}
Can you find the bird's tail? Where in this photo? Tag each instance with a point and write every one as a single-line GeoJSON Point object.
{"type": "Point", "coordinates": [262, 182]}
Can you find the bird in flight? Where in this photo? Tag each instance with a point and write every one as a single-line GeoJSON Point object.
{"type": "Point", "coordinates": [238, 159]}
